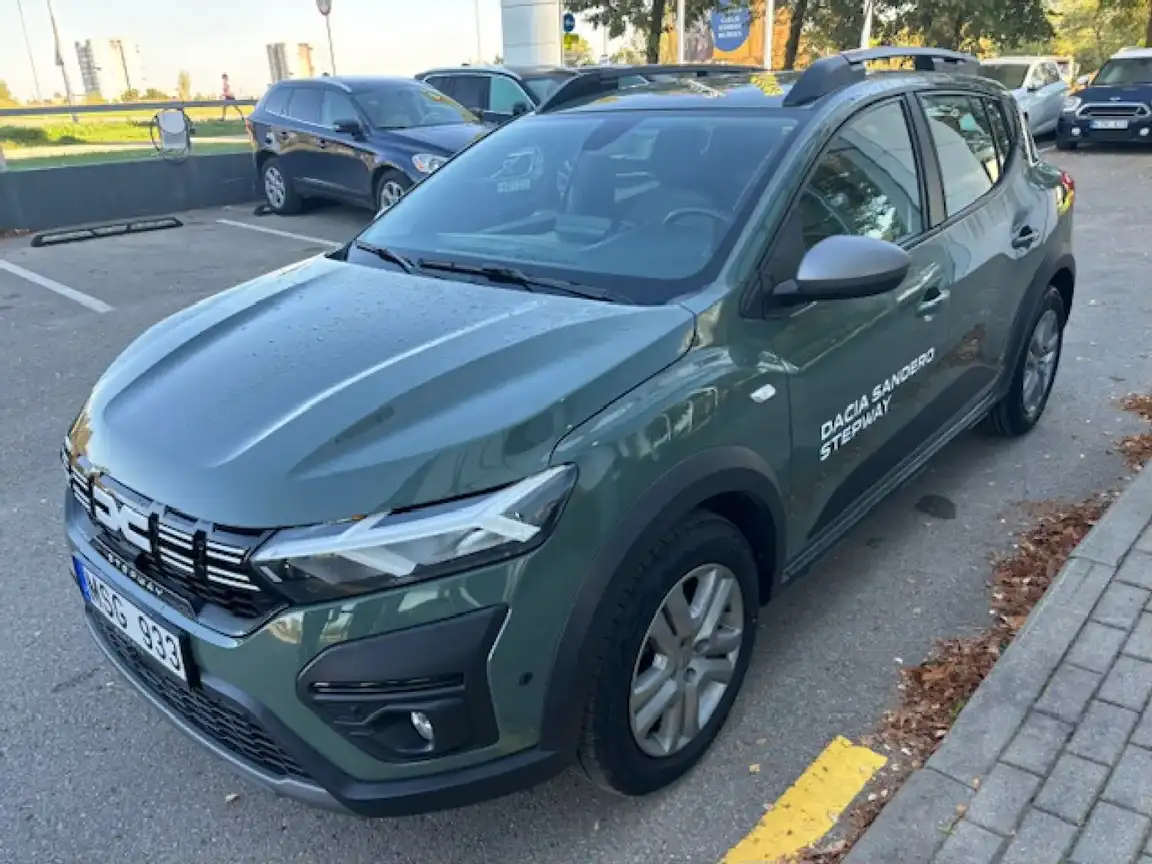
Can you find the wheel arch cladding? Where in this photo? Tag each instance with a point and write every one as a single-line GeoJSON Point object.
{"type": "Point", "coordinates": [1064, 281]}
{"type": "Point", "coordinates": [732, 482]}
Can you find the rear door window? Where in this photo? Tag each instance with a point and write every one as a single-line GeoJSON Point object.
{"type": "Point", "coordinates": [471, 91]}
{"type": "Point", "coordinates": [336, 106]}
{"type": "Point", "coordinates": [1000, 131]}
{"type": "Point", "coordinates": [965, 145]}
{"type": "Point", "coordinates": [305, 105]}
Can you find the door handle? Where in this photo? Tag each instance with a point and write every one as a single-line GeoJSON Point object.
{"type": "Point", "coordinates": [321, 143]}
{"type": "Point", "coordinates": [934, 298]}
{"type": "Point", "coordinates": [1025, 238]}
{"type": "Point", "coordinates": [283, 136]}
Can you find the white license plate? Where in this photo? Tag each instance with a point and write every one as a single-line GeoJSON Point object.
{"type": "Point", "coordinates": [1109, 124]}
{"type": "Point", "coordinates": [158, 642]}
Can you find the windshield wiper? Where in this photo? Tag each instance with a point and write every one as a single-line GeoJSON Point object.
{"type": "Point", "coordinates": [385, 255]}
{"type": "Point", "coordinates": [512, 276]}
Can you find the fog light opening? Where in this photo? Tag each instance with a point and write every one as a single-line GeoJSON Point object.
{"type": "Point", "coordinates": [422, 725]}
{"type": "Point", "coordinates": [1144, 132]}
{"type": "Point", "coordinates": [1075, 133]}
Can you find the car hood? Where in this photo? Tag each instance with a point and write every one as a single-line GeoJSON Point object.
{"type": "Point", "coordinates": [1122, 93]}
{"type": "Point", "coordinates": [449, 138]}
{"type": "Point", "coordinates": [326, 390]}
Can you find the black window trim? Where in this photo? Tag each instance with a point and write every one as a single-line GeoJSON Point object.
{"type": "Point", "coordinates": [997, 188]}
{"type": "Point", "coordinates": [931, 200]}
{"type": "Point", "coordinates": [309, 85]}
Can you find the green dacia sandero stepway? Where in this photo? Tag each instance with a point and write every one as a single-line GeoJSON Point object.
{"type": "Point", "coordinates": [500, 486]}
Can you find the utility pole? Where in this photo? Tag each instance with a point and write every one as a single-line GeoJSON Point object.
{"type": "Point", "coordinates": [479, 47]}
{"type": "Point", "coordinates": [324, 7]}
{"type": "Point", "coordinates": [680, 30]}
{"type": "Point", "coordinates": [60, 61]}
{"type": "Point", "coordinates": [28, 48]}
{"type": "Point", "coordinates": [866, 30]}
{"type": "Point", "coordinates": [769, 31]}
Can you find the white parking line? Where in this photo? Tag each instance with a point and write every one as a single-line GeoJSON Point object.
{"type": "Point", "coordinates": [1045, 149]}
{"type": "Point", "coordinates": [320, 240]}
{"type": "Point", "coordinates": [52, 285]}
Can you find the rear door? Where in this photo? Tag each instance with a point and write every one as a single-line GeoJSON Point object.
{"type": "Point", "coordinates": [300, 145]}
{"type": "Point", "coordinates": [987, 235]}
{"type": "Point", "coordinates": [866, 374]}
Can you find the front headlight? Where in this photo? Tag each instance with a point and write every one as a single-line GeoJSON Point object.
{"type": "Point", "coordinates": [426, 163]}
{"type": "Point", "coordinates": [1072, 103]}
{"type": "Point", "coordinates": [390, 549]}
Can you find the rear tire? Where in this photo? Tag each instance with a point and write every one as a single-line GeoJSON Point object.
{"type": "Point", "coordinates": [690, 687]}
{"type": "Point", "coordinates": [1035, 373]}
{"type": "Point", "coordinates": [279, 192]}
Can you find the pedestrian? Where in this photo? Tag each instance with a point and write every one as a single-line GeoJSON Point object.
{"type": "Point", "coordinates": [225, 94]}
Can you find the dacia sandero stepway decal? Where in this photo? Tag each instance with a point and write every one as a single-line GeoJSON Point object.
{"type": "Point", "coordinates": [861, 413]}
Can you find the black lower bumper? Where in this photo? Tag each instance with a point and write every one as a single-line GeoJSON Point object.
{"type": "Point", "coordinates": [254, 743]}
{"type": "Point", "coordinates": [1085, 130]}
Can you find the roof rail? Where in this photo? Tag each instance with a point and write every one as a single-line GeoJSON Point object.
{"type": "Point", "coordinates": [829, 74]}
{"type": "Point", "coordinates": [606, 79]}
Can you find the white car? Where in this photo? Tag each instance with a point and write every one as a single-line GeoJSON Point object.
{"type": "Point", "coordinates": [1037, 85]}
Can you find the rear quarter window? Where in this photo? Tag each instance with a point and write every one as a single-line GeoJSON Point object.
{"type": "Point", "coordinates": [276, 100]}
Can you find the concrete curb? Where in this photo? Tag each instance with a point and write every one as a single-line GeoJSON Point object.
{"type": "Point", "coordinates": [915, 824]}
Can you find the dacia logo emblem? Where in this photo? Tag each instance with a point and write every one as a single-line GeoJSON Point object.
{"type": "Point", "coordinates": [1113, 98]}
{"type": "Point", "coordinates": [119, 517]}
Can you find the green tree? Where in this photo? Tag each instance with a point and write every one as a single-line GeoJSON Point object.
{"type": "Point", "coordinates": [1143, 8]}
{"type": "Point", "coordinates": [966, 24]}
{"type": "Point", "coordinates": [183, 86]}
{"type": "Point", "coordinates": [154, 95]}
{"type": "Point", "coordinates": [7, 98]}
{"type": "Point", "coordinates": [577, 51]}
{"type": "Point", "coordinates": [130, 95]}
{"type": "Point", "coordinates": [647, 17]}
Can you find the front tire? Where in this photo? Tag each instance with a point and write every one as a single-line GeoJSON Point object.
{"type": "Point", "coordinates": [1021, 408]}
{"type": "Point", "coordinates": [390, 188]}
{"type": "Point", "coordinates": [678, 642]}
{"type": "Point", "coordinates": [279, 193]}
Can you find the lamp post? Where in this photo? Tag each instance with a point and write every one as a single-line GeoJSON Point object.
{"type": "Point", "coordinates": [769, 31]}
{"type": "Point", "coordinates": [28, 48]}
{"type": "Point", "coordinates": [60, 60]}
{"type": "Point", "coordinates": [324, 7]}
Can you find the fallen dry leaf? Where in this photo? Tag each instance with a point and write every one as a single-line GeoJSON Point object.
{"type": "Point", "coordinates": [230, 797]}
{"type": "Point", "coordinates": [753, 769]}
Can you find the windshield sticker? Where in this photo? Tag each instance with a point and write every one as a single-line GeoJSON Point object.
{"type": "Point", "coordinates": [868, 408]}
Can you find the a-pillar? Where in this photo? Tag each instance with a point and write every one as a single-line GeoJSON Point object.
{"type": "Point", "coordinates": [532, 32]}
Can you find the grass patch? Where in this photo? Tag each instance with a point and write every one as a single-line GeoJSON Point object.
{"type": "Point", "coordinates": [134, 154]}
{"type": "Point", "coordinates": [115, 130]}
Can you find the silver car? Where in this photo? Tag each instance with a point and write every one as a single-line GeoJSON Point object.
{"type": "Point", "coordinates": [1037, 85]}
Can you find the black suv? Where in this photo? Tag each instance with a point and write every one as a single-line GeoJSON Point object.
{"type": "Point", "coordinates": [1116, 107]}
{"type": "Point", "coordinates": [361, 140]}
{"type": "Point", "coordinates": [499, 93]}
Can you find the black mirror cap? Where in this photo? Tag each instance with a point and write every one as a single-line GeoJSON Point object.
{"type": "Point", "coordinates": [845, 266]}
{"type": "Point", "coordinates": [520, 108]}
{"type": "Point", "coordinates": [349, 127]}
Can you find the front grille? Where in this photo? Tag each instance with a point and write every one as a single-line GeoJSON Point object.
{"type": "Point", "coordinates": [200, 562]}
{"type": "Point", "coordinates": [1113, 109]}
{"type": "Point", "coordinates": [227, 726]}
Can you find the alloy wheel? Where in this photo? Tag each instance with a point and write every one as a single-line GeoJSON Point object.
{"type": "Point", "coordinates": [275, 190]}
{"type": "Point", "coordinates": [687, 660]}
{"type": "Point", "coordinates": [1040, 362]}
{"type": "Point", "coordinates": [390, 193]}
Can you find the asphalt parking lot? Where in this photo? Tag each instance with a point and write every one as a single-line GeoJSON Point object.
{"type": "Point", "coordinates": [89, 773]}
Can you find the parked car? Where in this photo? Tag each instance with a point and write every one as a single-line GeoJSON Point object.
{"type": "Point", "coordinates": [1036, 83]}
{"type": "Point", "coordinates": [500, 486]}
{"type": "Point", "coordinates": [1115, 107]}
{"type": "Point", "coordinates": [361, 140]}
{"type": "Point", "coordinates": [499, 93]}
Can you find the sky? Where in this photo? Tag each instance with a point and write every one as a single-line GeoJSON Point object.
{"type": "Point", "coordinates": [210, 37]}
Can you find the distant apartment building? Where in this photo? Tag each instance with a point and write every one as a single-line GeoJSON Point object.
{"type": "Point", "coordinates": [110, 67]}
{"type": "Point", "coordinates": [283, 63]}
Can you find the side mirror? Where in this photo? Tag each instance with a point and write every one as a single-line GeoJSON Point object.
{"type": "Point", "coordinates": [349, 127]}
{"type": "Point", "coordinates": [845, 266]}
{"type": "Point", "coordinates": [1083, 80]}
{"type": "Point", "coordinates": [1033, 86]}
{"type": "Point", "coordinates": [520, 108]}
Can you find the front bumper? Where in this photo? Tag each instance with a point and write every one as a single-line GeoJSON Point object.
{"type": "Point", "coordinates": [1077, 129]}
{"type": "Point", "coordinates": [255, 744]}
{"type": "Point", "coordinates": [282, 704]}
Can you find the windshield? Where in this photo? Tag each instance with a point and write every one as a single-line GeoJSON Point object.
{"type": "Point", "coordinates": [1129, 70]}
{"type": "Point", "coordinates": [642, 203]}
{"type": "Point", "coordinates": [404, 105]}
{"type": "Point", "coordinates": [1011, 75]}
{"type": "Point", "coordinates": [543, 86]}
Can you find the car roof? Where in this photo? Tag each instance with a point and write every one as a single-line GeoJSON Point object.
{"type": "Point", "coordinates": [349, 83]}
{"type": "Point", "coordinates": [1132, 52]}
{"type": "Point", "coordinates": [1018, 60]}
{"type": "Point", "coordinates": [513, 71]}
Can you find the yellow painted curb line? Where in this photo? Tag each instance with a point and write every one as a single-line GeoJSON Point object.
{"type": "Point", "coordinates": [809, 809]}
